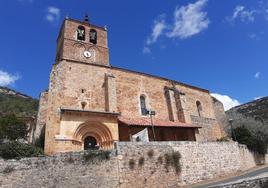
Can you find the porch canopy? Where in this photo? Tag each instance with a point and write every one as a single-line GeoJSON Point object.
{"type": "Point", "coordinates": [158, 129]}
{"type": "Point", "coordinates": [156, 122]}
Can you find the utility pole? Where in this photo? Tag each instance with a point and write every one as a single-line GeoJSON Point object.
{"type": "Point", "coordinates": [152, 113]}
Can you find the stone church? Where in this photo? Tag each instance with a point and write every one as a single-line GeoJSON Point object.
{"type": "Point", "coordinates": [91, 104]}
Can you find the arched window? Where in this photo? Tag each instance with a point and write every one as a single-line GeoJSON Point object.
{"type": "Point", "coordinates": [81, 33]}
{"type": "Point", "coordinates": [93, 36]}
{"type": "Point", "coordinates": [143, 105]}
{"type": "Point", "coordinates": [199, 107]}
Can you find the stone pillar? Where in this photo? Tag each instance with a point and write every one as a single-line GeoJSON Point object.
{"type": "Point", "coordinates": [177, 105]}
{"type": "Point", "coordinates": [110, 93]}
{"type": "Point", "coordinates": [171, 102]}
{"type": "Point", "coordinates": [183, 113]}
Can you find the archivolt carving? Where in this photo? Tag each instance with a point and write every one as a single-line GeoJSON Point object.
{"type": "Point", "coordinates": [96, 129]}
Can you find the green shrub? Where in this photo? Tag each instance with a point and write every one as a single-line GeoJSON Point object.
{"type": "Point", "coordinates": [223, 139]}
{"type": "Point", "coordinates": [160, 159]}
{"type": "Point", "coordinates": [131, 164]}
{"type": "Point", "coordinates": [150, 153]}
{"type": "Point", "coordinates": [254, 142]}
{"type": "Point", "coordinates": [8, 169]}
{"type": "Point", "coordinates": [96, 155]}
{"type": "Point", "coordinates": [11, 128]}
{"type": "Point", "coordinates": [173, 159]}
{"type": "Point", "coordinates": [17, 150]}
{"type": "Point", "coordinates": [70, 160]}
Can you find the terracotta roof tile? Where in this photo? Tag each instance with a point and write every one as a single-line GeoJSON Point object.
{"type": "Point", "coordinates": [156, 122]}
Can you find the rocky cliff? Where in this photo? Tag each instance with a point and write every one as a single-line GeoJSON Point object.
{"type": "Point", "coordinates": [257, 109]}
{"type": "Point", "coordinates": [13, 102]}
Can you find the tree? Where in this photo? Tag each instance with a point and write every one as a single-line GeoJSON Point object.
{"type": "Point", "coordinates": [252, 141]}
{"type": "Point", "coordinates": [250, 132]}
{"type": "Point", "coordinates": [11, 128]}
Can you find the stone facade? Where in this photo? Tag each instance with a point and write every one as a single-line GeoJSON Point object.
{"type": "Point", "coordinates": [130, 165]}
{"type": "Point", "coordinates": [221, 116]}
{"type": "Point", "coordinates": [87, 91]}
{"type": "Point", "coordinates": [41, 116]}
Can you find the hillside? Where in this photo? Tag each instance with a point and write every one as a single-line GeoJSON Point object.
{"type": "Point", "coordinates": [17, 103]}
{"type": "Point", "coordinates": [257, 109]}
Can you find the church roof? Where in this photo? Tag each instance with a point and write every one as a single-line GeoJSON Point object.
{"type": "Point", "coordinates": [140, 73]}
{"type": "Point", "coordinates": [156, 122]}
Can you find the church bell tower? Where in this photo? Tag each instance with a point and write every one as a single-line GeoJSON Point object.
{"type": "Point", "coordinates": [81, 41]}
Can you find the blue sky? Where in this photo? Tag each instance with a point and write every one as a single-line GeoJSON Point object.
{"type": "Point", "coordinates": [211, 44]}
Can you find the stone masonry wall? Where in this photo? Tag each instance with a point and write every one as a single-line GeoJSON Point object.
{"type": "Point", "coordinates": [210, 129]}
{"type": "Point", "coordinates": [220, 116]}
{"type": "Point", "coordinates": [41, 116]}
{"type": "Point", "coordinates": [130, 165]}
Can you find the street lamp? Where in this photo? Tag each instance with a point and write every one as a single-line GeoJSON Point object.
{"type": "Point", "coordinates": [152, 113]}
{"type": "Point", "coordinates": [232, 131]}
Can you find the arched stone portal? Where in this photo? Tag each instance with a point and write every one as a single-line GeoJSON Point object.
{"type": "Point", "coordinates": [94, 133]}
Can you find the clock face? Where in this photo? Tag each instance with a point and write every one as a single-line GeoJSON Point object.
{"type": "Point", "coordinates": [87, 54]}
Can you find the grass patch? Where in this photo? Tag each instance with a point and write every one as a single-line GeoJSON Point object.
{"type": "Point", "coordinates": [70, 160]}
{"type": "Point", "coordinates": [223, 139]}
{"type": "Point", "coordinates": [8, 169]}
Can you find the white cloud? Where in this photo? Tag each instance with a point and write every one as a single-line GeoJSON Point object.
{"type": "Point", "coordinates": [158, 29]}
{"type": "Point", "coordinates": [253, 36]}
{"type": "Point", "coordinates": [146, 50]}
{"type": "Point", "coordinates": [257, 75]}
{"type": "Point", "coordinates": [227, 101]}
{"type": "Point", "coordinates": [52, 14]}
{"type": "Point", "coordinates": [256, 98]}
{"type": "Point", "coordinates": [7, 78]}
{"type": "Point", "coordinates": [241, 13]}
{"type": "Point", "coordinates": [189, 20]}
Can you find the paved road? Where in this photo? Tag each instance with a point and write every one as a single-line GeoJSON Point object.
{"type": "Point", "coordinates": [236, 178]}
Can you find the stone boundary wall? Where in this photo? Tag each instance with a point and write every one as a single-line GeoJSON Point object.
{"type": "Point", "coordinates": [130, 165]}
{"type": "Point", "coordinates": [200, 160]}
{"type": "Point", "coordinates": [257, 182]}
{"type": "Point", "coordinates": [210, 129]}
